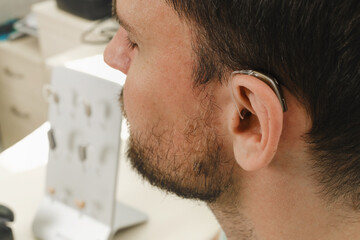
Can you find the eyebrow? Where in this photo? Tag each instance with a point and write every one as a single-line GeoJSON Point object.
{"type": "Point", "coordinates": [120, 20]}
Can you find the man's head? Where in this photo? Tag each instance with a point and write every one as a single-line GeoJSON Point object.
{"type": "Point", "coordinates": [186, 134]}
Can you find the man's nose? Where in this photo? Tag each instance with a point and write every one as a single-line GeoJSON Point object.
{"type": "Point", "coordinates": [117, 54]}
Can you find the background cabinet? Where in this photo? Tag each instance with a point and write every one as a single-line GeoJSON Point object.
{"type": "Point", "coordinates": [22, 76]}
{"type": "Point", "coordinates": [25, 67]}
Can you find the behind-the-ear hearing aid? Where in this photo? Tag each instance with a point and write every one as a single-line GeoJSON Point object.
{"type": "Point", "coordinates": [271, 82]}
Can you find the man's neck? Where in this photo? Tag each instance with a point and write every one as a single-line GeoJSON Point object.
{"type": "Point", "coordinates": [284, 212]}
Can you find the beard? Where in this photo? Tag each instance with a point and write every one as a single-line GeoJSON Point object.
{"type": "Point", "coordinates": [197, 168]}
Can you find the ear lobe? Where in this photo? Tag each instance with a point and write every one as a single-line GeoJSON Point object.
{"type": "Point", "coordinates": [256, 137]}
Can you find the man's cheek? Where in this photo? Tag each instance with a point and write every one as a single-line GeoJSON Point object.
{"type": "Point", "coordinates": [129, 102]}
{"type": "Point", "coordinates": [136, 105]}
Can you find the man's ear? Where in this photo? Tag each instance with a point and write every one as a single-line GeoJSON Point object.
{"type": "Point", "coordinates": [257, 122]}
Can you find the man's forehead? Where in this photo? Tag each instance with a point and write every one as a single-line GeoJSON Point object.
{"type": "Point", "coordinates": [139, 8]}
{"type": "Point", "coordinates": [147, 16]}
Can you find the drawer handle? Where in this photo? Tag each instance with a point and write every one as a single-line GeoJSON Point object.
{"type": "Point", "coordinates": [19, 114]}
{"type": "Point", "coordinates": [9, 73]}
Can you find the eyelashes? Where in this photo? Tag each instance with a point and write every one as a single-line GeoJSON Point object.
{"type": "Point", "coordinates": [131, 45]}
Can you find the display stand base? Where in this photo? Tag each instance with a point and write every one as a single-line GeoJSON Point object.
{"type": "Point", "coordinates": [57, 221]}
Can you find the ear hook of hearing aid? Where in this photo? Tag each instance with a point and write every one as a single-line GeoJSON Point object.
{"type": "Point", "coordinates": [271, 82]}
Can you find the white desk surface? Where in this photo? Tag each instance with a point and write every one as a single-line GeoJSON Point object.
{"type": "Point", "coordinates": [170, 218]}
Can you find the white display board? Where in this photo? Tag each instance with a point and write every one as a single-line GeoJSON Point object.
{"type": "Point", "coordinates": [80, 199]}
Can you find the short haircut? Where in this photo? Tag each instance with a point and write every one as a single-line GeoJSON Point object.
{"type": "Point", "coordinates": [312, 47]}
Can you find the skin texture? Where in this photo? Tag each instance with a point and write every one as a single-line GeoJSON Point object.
{"type": "Point", "coordinates": [171, 124]}
{"type": "Point", "coordinates": [189, 140]}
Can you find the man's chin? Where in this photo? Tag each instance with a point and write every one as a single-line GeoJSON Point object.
{"type": "Point", "coordinates": [200, 180]}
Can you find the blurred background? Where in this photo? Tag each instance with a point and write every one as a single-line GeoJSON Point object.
{"type": "Point", "coordinates": [34, 36]}
{"type": "Point", "coordinates": [10, 9]}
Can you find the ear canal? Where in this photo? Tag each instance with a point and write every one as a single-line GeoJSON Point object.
{"type": "Point", "coordinates": [244, 113]}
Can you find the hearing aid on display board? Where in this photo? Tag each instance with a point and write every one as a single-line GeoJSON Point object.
{"type": "Point", "coordinates": [82, 150]}
{"type": "Point", "coordinates": [271, 82]}
{"type": "Point", "coordinates": [49, 93]}
{"type": "Point", "coordinates": [87, 109]}
{"type": "Point", "coordinates": [51, 137]}
{"type": "Point", "coordinates": [6, 215]}
{"type": "Point", "coordinates": [86, 106]}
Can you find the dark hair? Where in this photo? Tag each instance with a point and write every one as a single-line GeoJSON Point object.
{"type": "Point", "coordinates": [313, 48]}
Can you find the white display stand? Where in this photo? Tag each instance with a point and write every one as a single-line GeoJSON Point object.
{"type": "Point", "coordinates": [80, 199]}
